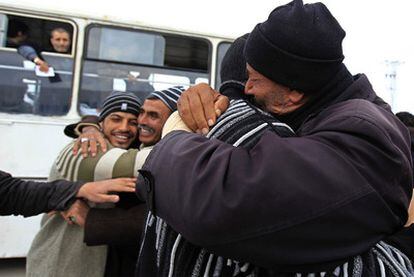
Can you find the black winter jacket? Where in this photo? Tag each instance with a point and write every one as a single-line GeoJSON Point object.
{"type": "Point", "coordinates": [292, 204]}
{"type": "Point", "coordinates": [27, 198]}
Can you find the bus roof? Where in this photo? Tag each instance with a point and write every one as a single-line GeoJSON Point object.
{"type": "Point", "coordinates": [211, 18]}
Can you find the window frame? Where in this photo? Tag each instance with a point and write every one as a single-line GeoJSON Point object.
{"type": "Point", "coordinates": [217, 80]}
{"type": "Point", "coordinates": [162, 33]}
{"type": "Point", "coordinates": [48, 18]}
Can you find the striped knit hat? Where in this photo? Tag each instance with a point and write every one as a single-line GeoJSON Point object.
{"type": "Point", "coordinates": [168, 96]}
{"type": "Point", "coordinates": [120, 102]}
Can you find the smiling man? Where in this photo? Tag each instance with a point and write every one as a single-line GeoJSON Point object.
{"type": "Point", "coordinates": [59, 249]}
{"type": "Point", "coordinates": [118, 119]}
{"type": "Point", "coordinates": [154, 113]}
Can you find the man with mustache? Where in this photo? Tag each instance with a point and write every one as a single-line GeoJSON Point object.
{"type": "Point", "coordinates": [123, 240]}
{"type": "Point", "coordinates": [154, 113]}
{"type": "Point", "coordinates": [324, 203]}
{"type": "Point", "coordinates": [59, 249]}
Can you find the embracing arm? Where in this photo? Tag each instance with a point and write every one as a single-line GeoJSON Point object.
{"type": "Point", "coordinates": [125, 225]}
{"type": "Point", "coordinates": [290, 201]}
{"type": "Point", "coordinates": [29, 198]}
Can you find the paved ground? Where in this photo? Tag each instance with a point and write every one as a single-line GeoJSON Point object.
{"type": "Point", "coordinates": [12, 267]}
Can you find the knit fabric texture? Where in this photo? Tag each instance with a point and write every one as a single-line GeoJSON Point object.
{"type": "Point", "coordinates": [58, 248]}
{"type": "Point", "coordinates": [298, 46]}
{"type": "Point", "coordinates": [168, 96]}
{"type": "Point", "coordinates": [120, 102]}
{"type": "Point", "coordinates": [166, 251]}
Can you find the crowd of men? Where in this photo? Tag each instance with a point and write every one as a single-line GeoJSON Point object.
{"type": "Point", "coordinates": [294, 168]}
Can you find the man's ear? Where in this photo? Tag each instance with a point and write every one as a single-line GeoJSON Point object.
{"type": "Point", "coordinates": [297, 97]}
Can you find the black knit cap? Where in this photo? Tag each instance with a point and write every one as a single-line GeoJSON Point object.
{"type": "Point", "coordinates": [233, 69]}
{"type": "Point", "coordinates": [120, 102]}
{"type": "Point", "coordinates": [168, 96]}
{"type": "Point", "coordinates": [298, 46]}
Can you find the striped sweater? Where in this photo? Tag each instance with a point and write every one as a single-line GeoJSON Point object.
{"type": "Point", "coordinates": [58, 249]}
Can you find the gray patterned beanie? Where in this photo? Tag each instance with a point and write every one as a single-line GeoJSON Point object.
{"type": "Point", "coordinates": [120, 102]}
{"type": "Point", "coordinates": [168, 96]}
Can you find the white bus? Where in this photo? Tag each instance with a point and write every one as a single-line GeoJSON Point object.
{"type": "Point", "coordinates": [105, 55]}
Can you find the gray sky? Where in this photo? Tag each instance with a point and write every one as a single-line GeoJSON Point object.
{"type": "Point", "coordinates": [377, 31]}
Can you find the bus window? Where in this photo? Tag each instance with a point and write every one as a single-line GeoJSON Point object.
{"type": "Point", "coordinates": [221, 51]}
{"type": "Point", "coordinates": [22, 90]}
{"type": "Point", "coordinates": [139, 62]}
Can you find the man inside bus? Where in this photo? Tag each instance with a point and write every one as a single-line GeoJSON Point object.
{"type": "Point", "coordinates": [60, 40]}
{"type": "Point", "coordinates": [17, 37]}
{"type": "Point", "coordinates": [304, 204]}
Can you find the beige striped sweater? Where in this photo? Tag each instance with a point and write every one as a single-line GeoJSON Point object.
{"type": "Point", "coordinates": [58, 249]}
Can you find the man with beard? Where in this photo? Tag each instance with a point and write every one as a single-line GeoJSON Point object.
{"type": "Point", "coordinates": [119, 227]}
{"type": "Point", "coordinates": [153, 114]}
{"type": "Point", "coordinates": [322, 203]}
{"type": "Point", "coordinates": [58, 249]}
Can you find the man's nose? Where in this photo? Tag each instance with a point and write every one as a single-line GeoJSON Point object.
{"type": "Point", "coordinates": [142, 119]}
{"type": "Point", "coordinates": [124, 125]}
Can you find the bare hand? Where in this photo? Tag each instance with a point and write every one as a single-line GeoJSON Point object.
{"type": "Point", "coordinates": [88, 142]}
{"type": "Point", "coordinates": [98, 191]}
{"type": "Point", "coordinates": [77, 213]}
{"type": "Point", "coordinates": [43, 66]}
{"type": "Point", "coordinates": [199, 107]}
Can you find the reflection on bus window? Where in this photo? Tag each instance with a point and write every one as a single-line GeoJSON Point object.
{"type": "Point", "coordinates": [23, 87]}
{"type": "Point", "coordinates": [201, 80]}
{"type": "Point", "coordinates": [164, 81]}
{"type": "Point", "coordinates": [138, 62]}
{"type": "Point", "coordinates": [125, 46]}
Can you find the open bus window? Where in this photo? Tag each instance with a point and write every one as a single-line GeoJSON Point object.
{"type": "Point", "coordinates": [21, 89]}
{"type": "Point", "coordinates": [46, 35]}
{"type": "Point", "coordinates": [139, 62]}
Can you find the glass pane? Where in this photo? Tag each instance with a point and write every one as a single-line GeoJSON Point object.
{"type": "Point", "coordinates": [155, 49]}
{"type": "Point", "coordinates": [125, 46]}
{"type": "Point", "coordinates": [99, 79]}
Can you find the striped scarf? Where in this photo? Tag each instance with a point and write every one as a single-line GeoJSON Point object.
{"type": "Point", "coordinates": [164, 252]}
